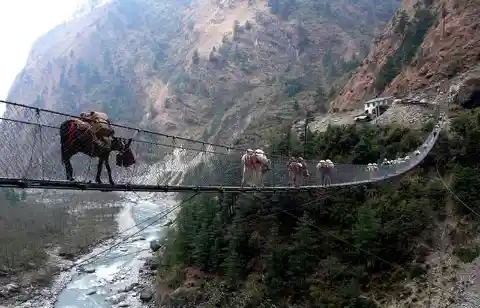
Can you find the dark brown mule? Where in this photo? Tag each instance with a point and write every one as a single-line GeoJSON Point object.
{"type": "Point", "coordinates": [77, 137]}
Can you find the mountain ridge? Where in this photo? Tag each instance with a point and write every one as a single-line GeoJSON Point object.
{"type": "Point", "coordinates": [178, 67]}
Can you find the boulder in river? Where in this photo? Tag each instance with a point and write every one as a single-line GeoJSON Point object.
{"type": "Point", "coordinates": [115, 299]}
{"type": "Point", "coordinates": [89, 270]}
{"type": "Point", "coordinates": [138, 238]}
{"type": "Point", "coordinates": [91, 292]}
{"type": "Point", "coordinates": [155, 245]}
{"type": "Point", "coordinates": [146, 296]}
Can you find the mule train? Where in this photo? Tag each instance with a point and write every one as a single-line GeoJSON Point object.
{"type": "Point", "coordinates": [93, 135]}
{"type": "Point", "coordinates": [256, 164]}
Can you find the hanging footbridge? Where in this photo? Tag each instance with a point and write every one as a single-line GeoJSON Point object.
{"type": "Point", "coordinates": [30, 157]}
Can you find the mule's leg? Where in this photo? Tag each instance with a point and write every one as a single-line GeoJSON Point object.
{"type": "Point", "coordinates": [66, 155]}
{"type": "Point", "coordinates": [109, 171]}
{"type": "Point", "coordinates": [99, 171]}
{"type": "Point", "coordinates": [253, 177]}
{"type": "Point", "coordinates": [256, 177]}
{"type": "Point", "coordinates": [68, 169]}
{"type": "Point", "coordinates": [243, 176]}
{"type": "Point", "coordinates": [250, 177]}
{"type": "Point", "coordinates": [260, 174]}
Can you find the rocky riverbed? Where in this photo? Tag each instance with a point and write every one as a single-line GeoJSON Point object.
{"type": "Point", "coordinates": [120, 277]}
{"type": "Point", "coordinates": [118, 273]}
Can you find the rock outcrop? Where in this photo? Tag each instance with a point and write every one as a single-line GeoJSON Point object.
{"type": "Point", "coordinates": [426, 42]}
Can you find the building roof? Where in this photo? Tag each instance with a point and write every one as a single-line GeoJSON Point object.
{"type": "Point", "coordinates": [378, 99]}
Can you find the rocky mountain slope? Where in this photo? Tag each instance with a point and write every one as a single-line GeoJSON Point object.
{"type": "Point", "coordinates": [203, 68]}
{"type": "Point", "coordinates": [425, 43]}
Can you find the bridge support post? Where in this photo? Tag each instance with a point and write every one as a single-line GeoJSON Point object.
{"type": "Point", "coordinates": [273, 172]}
{"type": "Point", "coordinates": [233, 203]}
{"type": "Point", "coordinates": [305, 129]}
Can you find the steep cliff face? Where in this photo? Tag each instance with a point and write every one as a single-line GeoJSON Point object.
{"type": "Point", "coordinates": [204, 68]}
{"type": "Point", "coordinates": [425, 43]}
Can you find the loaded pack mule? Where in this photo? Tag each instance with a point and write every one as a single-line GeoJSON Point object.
{"type": "Point", "coordinates": [78, 136]}
{"type": "Point", "coordinates": [297, 171]}
{"type": "Point", "coordinates": [255, 165]}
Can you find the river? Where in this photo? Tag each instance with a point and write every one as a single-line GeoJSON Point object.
{"type": "Point", "coordinates": [118, 269]}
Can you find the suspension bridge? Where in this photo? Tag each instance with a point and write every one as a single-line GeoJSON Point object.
{"type": "Point", "coordinates": [31, 158]}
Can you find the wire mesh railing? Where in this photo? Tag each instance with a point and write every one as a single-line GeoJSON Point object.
{"type": "Point", "coordinates": [31, 150]}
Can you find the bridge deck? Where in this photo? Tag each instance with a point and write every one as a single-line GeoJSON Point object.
{"type": "Point", "coordinates": [68, 185]}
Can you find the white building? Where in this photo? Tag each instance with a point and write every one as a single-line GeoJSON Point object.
{"type": "Point", "coordinates": [370, 105]}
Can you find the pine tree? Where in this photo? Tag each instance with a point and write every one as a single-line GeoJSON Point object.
{"type": "Point", "coordinates": [367, 228]}
{"type": "Point", "coordinates": [277, 263]}
{"type": "Point", "coordinates": [303, 253]}
{"type": "Point", "coordinates": [234, 264]}
{"type": "Point", "coordinates": [205, 233]}
{"type": "Point", "coordinates": [364, 151]}
{"type": "Point", "coordinates": [320, 96]}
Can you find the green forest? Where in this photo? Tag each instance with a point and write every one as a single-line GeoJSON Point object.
{"type": "Point", "coordinates": [339, 247]}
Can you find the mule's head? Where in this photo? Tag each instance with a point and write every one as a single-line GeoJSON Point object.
{"type": "Point", "coordinates": [120, 144]}
{"type": "Point", "coordinates": [125, 157]}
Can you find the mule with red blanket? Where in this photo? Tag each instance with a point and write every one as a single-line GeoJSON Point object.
{"type": "Point", "coordinates": [255, 165]}
{"type": "Point", "coordinates": [78, 136]}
